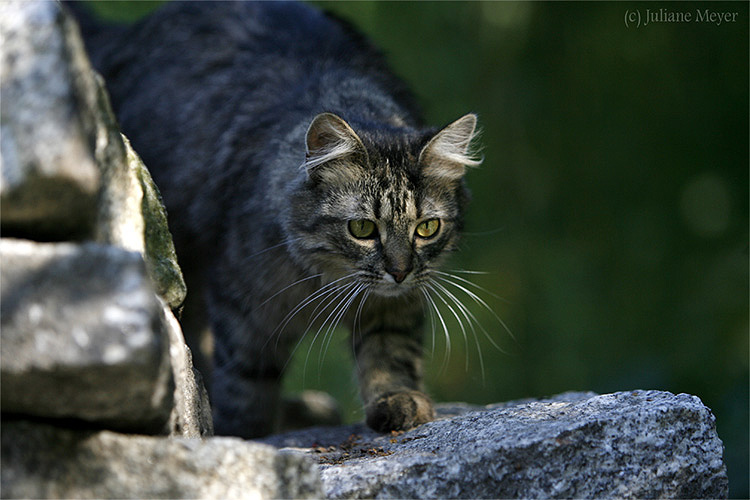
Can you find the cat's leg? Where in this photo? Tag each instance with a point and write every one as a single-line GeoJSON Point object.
{"type": "Point", "coordinates": [389, 368]}
{"type": "Point", "coordinates": [246, 379]}
{"type": "Point", "coordinates": [245, 407]}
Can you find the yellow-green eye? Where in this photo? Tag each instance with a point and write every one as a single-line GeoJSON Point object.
{"type": "Point", "coordinates": [428, 228]}
{"type": "Point", "coordinates": [362, 228]}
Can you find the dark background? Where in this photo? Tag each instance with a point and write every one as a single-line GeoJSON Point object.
{"type": "Point", "coordinates": [610, 214]}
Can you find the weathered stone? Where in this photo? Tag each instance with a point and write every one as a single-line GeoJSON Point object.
{"type": "Point", "coordinates": [130, 212]}
{"type": "Point", "coordinates": [191, 415]}
{"type": "Point", "coordinates": [41, 461]}
{"type": "Point", "coordinates": [67, 173]}
{"type": "Point", "coordinates": [49, 179]}
{"type": "Point", "coordinates": [119, 218]}
{"type": "Point", "coordinates": [160, 254]}
{"type": "Point", "coordinates": [83, 336]}
{"type": "Point", "coordinates": [626, 445]}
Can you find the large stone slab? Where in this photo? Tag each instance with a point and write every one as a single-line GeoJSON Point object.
{"type": "Point", "coordinates": [159, 251]}
{"type": "Point", "coordinates": [644, 444]}
{"type": "Point", "coordinates": [66, 171]}
{"type": "Point", "coordinates": [41, 461]}
{"type": "Point", "coordinates": [191, 416]}
{"type": "Point", "coordinates": [49, 179]}
{"type": "Point", "coordinates": [83, 336]}
{"type": "Point", "coordinates": [130, 212]}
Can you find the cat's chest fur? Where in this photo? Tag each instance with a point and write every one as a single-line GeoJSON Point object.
{"type": "Point", "coordinates": [302, 190]}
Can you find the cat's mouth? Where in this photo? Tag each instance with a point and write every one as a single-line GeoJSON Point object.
{"type": "Point", "coordinates": [388, 286]}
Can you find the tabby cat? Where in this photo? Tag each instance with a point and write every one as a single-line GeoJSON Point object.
{"type": "Point", "coordinates": [303, 192]}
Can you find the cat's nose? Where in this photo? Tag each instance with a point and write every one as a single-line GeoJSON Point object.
{"type": "Point", "coordinates": [398, 258]}
{"type": "Point", "coordinates": [399, 276]}
{"type": "Point", "coordinates": [399, 273]}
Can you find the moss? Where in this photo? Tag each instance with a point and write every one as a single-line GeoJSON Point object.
{"type": "Point", "coordinates": [160, 255]}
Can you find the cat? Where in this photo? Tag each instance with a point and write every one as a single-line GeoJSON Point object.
{"type": "Point", "coordinates": [303, 192]}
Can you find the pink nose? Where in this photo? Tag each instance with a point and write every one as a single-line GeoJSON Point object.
{"type": "Point", "coordinates": [399, 276]}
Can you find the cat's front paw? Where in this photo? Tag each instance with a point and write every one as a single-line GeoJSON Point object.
{"type": "Point", "coordinates": [399, 411]}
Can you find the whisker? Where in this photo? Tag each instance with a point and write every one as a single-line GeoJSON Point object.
{"type": "Point", "coordinates": [357, 325]}
{"type": "Point", "coordinates": [470, 314]}
{"type": "Point", "coordinates": [458, 319]}
{"type": "Point", "coordinates": [276, 333]}
{"type": "Point", "coordinates": [323, 305]}
{"type": "Point", "coordinates": [445, 329]}
{"type": "Point", "coordinates": [466, 271]}
{"type": "Point", "coordinates": [320, 295]}
{"type": "Point", "coordinates": [471, 283]}
{"type": "Point", "coordinates": [343, 308]}
{"type": "Point", "coordinates": [350, 301]}
{"type": "Point", "coordinates": [427, 308]}
{"type": "Point", "coordinates": [479, 301]}
{"type": "Point", "coordinates": [330, 298]}
{"type": "Point", "coordinates": [472, 320]}
{"type": "Point", "coordinates": [321, 292]}
{"type": "Point", "coordinates": [261, 252]}
{"type": "Point", "coordinates": [286, 288]}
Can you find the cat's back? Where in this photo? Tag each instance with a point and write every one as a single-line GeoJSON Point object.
{"type": "Point", "coordinates": [203, 89]}
{"type": "Point", "coordinates": [264, 51]}
{"type": "Point", "coordinates": [190, 67]}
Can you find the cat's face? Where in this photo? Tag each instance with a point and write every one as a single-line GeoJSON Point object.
{"type": "Point", "coordinates": [383, 215]}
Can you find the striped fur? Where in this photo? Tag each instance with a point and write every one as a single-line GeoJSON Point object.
{"type": "Point", "coordinates": [269, 127]}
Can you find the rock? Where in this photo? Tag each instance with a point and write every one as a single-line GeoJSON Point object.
{"type": "Point", "coordinates": [160, 254]}
{"type": "Point", "coordinates": [626, 445]}
{"type": "Point", "coordinates": [130, 210]}
{"type": "Point", "coordinates": [67, 173]}
{"type": "Point", "coordinates": [83, 336]}
{"type": "Point", "coordinates": [191, 415]}
{"type": "Point", "coordinates": [120, 219]}
{"type": "Point", "coordinates": [41, 461]}
{"type": "Point", "coordinates": [49, 179]}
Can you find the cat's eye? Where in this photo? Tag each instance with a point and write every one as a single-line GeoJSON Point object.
{"type": "Point", "coordinates": [428, 228]}
{"type": "Point", "coordinates": [362, 228]}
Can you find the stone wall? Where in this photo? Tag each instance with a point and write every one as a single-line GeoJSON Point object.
{"type": "Point", "coordinates": [99, 395]}
{"type": "Point", "coordinates": [640, 444]}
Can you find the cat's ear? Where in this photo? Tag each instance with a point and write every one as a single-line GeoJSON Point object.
{"type": "Point", "coordinates": [449, 152]}
{"type": "Point", "coordinates": [334, 152]}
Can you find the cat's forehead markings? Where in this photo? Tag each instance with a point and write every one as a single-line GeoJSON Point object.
{"type": "Point", "coordinates": [396, 205]}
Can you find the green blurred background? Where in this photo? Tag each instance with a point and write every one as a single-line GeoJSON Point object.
{"type": "Point", "coordinates": [610, 214]}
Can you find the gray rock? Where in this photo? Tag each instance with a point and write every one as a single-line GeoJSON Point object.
{"type": "Point", "coordinates": [83, 336]}
{"type": "Point", "coordinates": [66, 172]}
{"type": "Point", "coordinates": [49, 179]}
{"type": "Point", "coordinates": [625, 445]}
{"type": "Point", "coordinates": [130, 211]}
{"type": "Point", "coordinates": [191, 415]}
{"type": "Point", "coordinates": [41, 461]}
{"type": "Point", "coordinates": [160, 254]}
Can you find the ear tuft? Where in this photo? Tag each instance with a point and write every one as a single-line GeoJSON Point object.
{"type": "Point", "coordinates": [330, 141]}
{"type": "Point", "coordinates": [449, 152]}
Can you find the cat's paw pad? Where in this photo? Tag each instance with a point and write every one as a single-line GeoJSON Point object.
{"type": "Point", "coordinates": [398, 411]}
